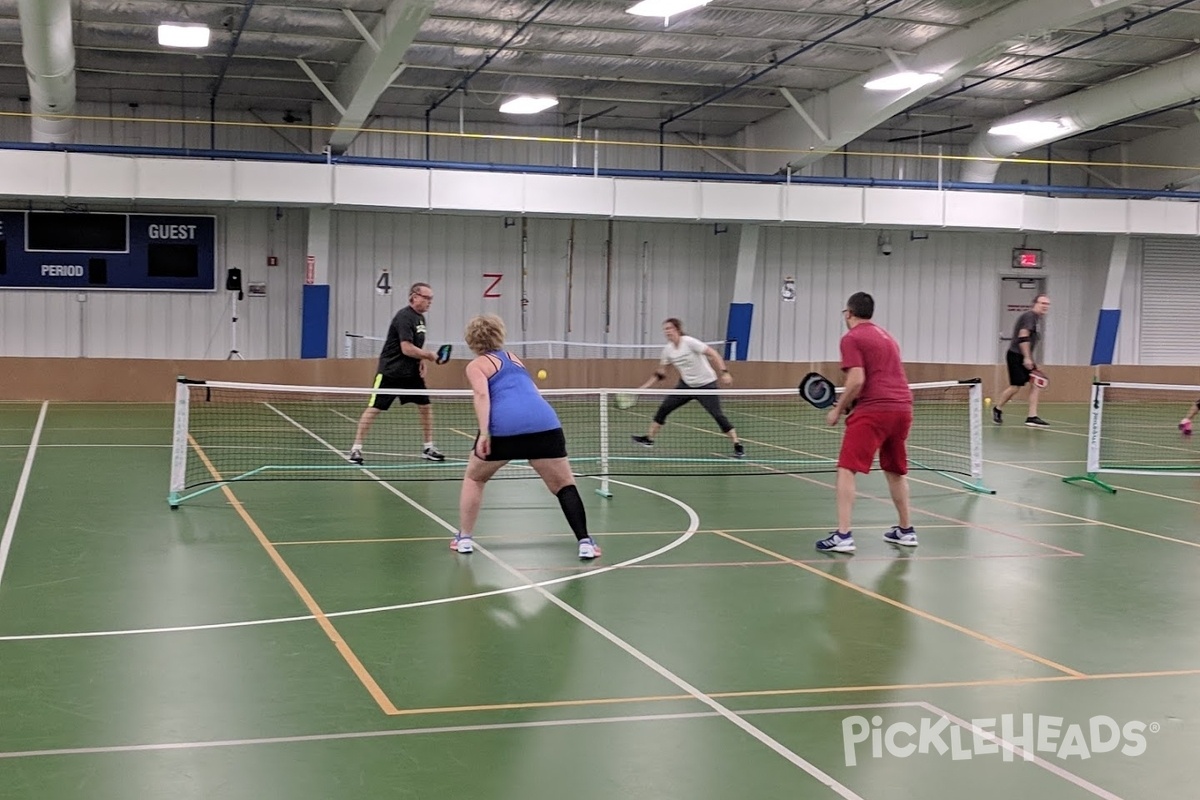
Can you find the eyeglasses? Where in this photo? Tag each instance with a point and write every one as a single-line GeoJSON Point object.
{"type": "Point", "coordinates": [426, 296]}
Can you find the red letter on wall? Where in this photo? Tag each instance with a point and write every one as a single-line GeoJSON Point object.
{"type": "Point", "coordinates": [491, 290]}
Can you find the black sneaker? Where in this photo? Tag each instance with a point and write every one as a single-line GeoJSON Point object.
{"type": "Point", "coordinates": [355, 456]}
{"type": "Point", "coordinates": [1036, 422]}
{"type": "Point", "coordinates": [432, 454]}
{"type": "Point", "coordinates": [997, 416]}
{"type": "Point", "coordinates": [739, 451]}
{"type": "Point", "coordinates": [644, 441]}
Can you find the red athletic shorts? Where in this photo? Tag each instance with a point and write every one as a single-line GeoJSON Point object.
{"type": "Point", "coordinates": [870, 432]}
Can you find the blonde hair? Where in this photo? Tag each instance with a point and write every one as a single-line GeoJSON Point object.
{"type": "Point", "coordinates": [484, 333]}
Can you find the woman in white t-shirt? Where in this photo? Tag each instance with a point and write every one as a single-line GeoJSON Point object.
{"type": "Point", "coordinates": [698, 366]}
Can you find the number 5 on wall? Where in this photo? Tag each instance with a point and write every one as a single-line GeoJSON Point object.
{"type": "Point", "coordinates": [495, 278]}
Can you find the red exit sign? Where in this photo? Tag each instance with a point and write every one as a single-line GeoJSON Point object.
{"type": "Point", "coordinates": [1024, 258]}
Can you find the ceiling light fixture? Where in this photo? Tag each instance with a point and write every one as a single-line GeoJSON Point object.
{"type": "Point", "coordinates": [665, 8]}
{"type": "Point", "coordinates": [172, 35]}
{"type": "Point", "coordinates": [526, 104]}
{"type": "Point", "coordinates": [902, 81]}
{"type": "Point", "coordinates": [1032, 130]}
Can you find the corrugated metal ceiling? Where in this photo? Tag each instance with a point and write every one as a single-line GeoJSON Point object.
{"type": "Point", "coordinates": [597, 58]}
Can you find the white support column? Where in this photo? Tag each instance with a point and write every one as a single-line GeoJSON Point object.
{"type": "Point", "coordinates": [315, 335]}
{"type": "Point", "coordinates": [741, 307]}
{"type": "Point", "coordinates": [1109, 322]}
{"type": "Point", "coordinates": [320, 222]}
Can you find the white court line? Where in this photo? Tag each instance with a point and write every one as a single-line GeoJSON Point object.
{"type": "Point", "coordinates": [14, 511]}
{"type": "Point", "coordinates": [7, 446]}
{"type": "Point", "coordinates": [741, 723]}
{"type": "Point", "coordinates": [1054, 769]}
{"type": "Point", "coordinates": [693, 526]}
{"type": "Point", "coordinates": [497, 726]}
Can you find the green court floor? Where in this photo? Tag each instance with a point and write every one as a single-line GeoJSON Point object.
{"type": "Point", "coordinates": [317, 639]}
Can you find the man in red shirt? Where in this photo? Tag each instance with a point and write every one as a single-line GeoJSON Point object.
{"type": "Point", "coordinates": [878, 392]}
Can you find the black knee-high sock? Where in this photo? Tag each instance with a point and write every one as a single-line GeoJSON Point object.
{"type": "Point", "coordinates": [572, 507]}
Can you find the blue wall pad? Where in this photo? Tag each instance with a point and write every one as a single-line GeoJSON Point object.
{"type": "Point", "coordinates": [314, 321]}
{"type": "Point", "coordinates": [738, 330]}
{"type": "Point", "coordinates": [1106, 336]}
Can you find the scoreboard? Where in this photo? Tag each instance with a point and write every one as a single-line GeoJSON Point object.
{"type": "Point", "coordinates": [97, 250]}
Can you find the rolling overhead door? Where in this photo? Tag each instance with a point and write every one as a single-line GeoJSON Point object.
{"type": "Point", "coordinates": [1170, 302]}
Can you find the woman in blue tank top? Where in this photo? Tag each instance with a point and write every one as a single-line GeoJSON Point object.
{"type": "Point", "coordinates": [515, 423]}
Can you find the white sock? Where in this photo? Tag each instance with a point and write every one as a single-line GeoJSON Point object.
{"type": "Point", "coordinates": [429, 445]}
{"type": "Point", "coordinates": [357, 446]}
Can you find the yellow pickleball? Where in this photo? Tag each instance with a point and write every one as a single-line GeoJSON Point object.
{"type": "Point", "coordinates": [541, 374]}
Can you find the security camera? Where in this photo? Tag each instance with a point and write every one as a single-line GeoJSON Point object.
{"type": "Point", "coordinates": [885, 248]}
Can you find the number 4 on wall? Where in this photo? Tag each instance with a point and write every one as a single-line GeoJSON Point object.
{"type": "Point", "coordinates": [495, 278]}
{"type": "Point", "coordinates": [384, 284]}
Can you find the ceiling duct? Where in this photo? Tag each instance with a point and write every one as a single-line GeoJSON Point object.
{"type": "Point", "coordinates": [1149, 90]}
{"type": "Point", "coordinates": [49, 51]}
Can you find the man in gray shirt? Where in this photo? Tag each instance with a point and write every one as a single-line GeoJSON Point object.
{"type": "Point", "coordinates": [1026, 335]}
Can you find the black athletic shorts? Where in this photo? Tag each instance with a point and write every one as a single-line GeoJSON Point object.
{"type": "Point", "coordinates": [1017, 374]}
{"type": "Point", "coordinates": [384, 401]}
{"type": "Point", "coordinates": [528, 446]}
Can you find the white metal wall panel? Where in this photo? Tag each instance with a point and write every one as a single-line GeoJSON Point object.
{"type": "Point", "coordinates": [1170, 300]}
{"type": "Point", "coordinates": [658, 271]}
{"type": "Point", "coordinates": [939, 295]}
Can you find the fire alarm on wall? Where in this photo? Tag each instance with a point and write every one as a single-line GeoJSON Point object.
{"type": "Point", "coordinates": [272, 261]}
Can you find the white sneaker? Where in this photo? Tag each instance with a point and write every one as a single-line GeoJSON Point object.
{"type": "Point", "coordinates": [355, 456]}
{"type": "Point", "coordinates": [462, 544]}
{"type": "Point", "coordinates": [588, 549]}
{"type": "Point", "coordinates": [897, 536]}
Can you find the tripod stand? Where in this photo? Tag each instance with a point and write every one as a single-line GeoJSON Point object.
{"type": "Point", "coordinates": [234, 297]}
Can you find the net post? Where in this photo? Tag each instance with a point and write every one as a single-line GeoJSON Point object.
{"type": "Point", "coordinates": [347, 345]}
{"type": "Point", "coordinates": [1095, 417]}
{"type": "Point", "coordinates": [179, 442]}
{"type": "Point", "coordinates": [604, 491]}
{"type": "Point", "coordinates": [975, 416]}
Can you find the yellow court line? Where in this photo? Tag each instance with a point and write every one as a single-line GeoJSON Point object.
{"type": "Point", "coordinates": [912, 508]}
{"type": "Point", "coordinates": [892, 687]}
{"type": "Point", "coordinates": [603, 701]}
{"type": "Point", "coordinates": [983, 637]}
{"type": "Point", "coordinates": [356, 666]}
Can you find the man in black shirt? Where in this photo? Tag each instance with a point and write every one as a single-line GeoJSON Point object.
{"type": "Point", "coordinates": [1026, 336]}
{"type": "Point", "coordinates": [402, 366]}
